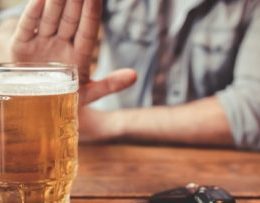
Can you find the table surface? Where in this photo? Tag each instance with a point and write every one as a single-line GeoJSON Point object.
{"type": "Point", "coordinates": [130, 174]}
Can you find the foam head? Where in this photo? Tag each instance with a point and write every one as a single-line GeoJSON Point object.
{"type": "Point", "coordinates": [30, 83]}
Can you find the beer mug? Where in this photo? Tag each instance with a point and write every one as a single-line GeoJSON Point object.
{"type": "Point", "coordinates": [38, 132]}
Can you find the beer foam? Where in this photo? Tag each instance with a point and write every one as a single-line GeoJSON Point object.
{"type": "Point", "coordinates": [36, 83]}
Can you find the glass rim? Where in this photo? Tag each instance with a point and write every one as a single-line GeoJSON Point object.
{"type": "Point", "coordinates": [35, 66]}
{"type": "Point", "coordinates": [35, 79]}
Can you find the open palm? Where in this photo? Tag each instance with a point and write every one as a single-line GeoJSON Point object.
{"type": "Point", "coordinates": [58, 30]}
{"type": "Point", "coordinates": [66, 31]}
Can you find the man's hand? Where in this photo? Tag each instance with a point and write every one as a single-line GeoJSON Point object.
{"type": "Point", "coordinates": [96, 125]}
{"type": "Point", "coordinates": [60, 31]}
{"type": "Point", "coordinates": [115, 82]}
{"type": "Point", "coordinates": [66, 31]}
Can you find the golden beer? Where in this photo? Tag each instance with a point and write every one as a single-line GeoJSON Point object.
{"type": "Point", "coordinates": [38, 138]}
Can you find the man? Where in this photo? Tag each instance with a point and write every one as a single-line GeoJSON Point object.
{"type": "Point", "coordinates": [197, 63]}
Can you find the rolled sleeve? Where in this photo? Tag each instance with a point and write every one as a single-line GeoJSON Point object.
{"type": "Point", "coordinates": [242, 107]}
{"type": "Point", "coordinates": [241, 100]}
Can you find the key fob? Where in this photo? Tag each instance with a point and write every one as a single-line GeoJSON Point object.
{"type": "Point", "coordinates": [213, 194]}
{"type": "Point", "coordinates": [178, 195]}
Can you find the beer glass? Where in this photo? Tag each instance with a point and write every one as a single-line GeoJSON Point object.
{"type": "Point", "coordinates": [38, 132]}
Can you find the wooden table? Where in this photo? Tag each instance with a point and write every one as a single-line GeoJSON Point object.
{"type": "Point", "coordinates": [130, 174]}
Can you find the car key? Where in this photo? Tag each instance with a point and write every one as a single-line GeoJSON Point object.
{"type": "Point", "coordinates": [177, 195]}
{"type": "Point", "coordinates": [212, 194]}
{"type": "Point", "coordinates": [193, 193]}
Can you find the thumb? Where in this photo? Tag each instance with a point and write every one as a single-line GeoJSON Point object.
{"type": "Point", "coordinates": [114, 82]}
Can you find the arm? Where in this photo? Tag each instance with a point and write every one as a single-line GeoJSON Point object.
{"type": "Point", "coordinates": [241, 100]}
{"type": "Point", "coordinates": [202, 122]}
{"type": "Point", "coordinates": [231, 117]}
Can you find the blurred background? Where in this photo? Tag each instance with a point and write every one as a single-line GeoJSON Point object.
{"type": "Point", "coordinates": [8, 3]}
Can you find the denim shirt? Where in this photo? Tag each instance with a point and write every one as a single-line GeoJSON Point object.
{"type": "Point", "coordinates": [216, 53]}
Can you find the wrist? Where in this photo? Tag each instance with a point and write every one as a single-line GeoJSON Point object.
{"type": "Point", "coordinates": [117, 123]}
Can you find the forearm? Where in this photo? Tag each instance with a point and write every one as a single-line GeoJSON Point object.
{"type": "Point", "coordinates": [202, 122]}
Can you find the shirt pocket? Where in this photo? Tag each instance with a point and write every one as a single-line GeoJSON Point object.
{"type": "Point", "coordinates": [212, 60]}
{"type": "Point", "coordinates": [130, 21]}
{"type": "Point", "coordinates": [131, 32]}
{"type": "Point", "coordinates": [211, 47]}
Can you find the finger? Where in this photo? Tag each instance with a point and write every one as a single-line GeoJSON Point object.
{"type": "Point", "coordinates": [115, 82]}
{"type": "Point", "coordinates": [70, 19]}
{"type": "Point", "coordinates": [29, 21]}
{"type": "Point", "coordinates": [51, 17]}
{"type": "Point", "coordinates": [87, 32]}
{"type": "Point", "coordinates": [83, 63]}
